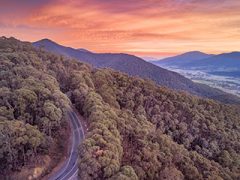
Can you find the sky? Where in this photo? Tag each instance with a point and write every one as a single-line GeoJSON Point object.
{"type": "Point", "coordinates": [149, 28]}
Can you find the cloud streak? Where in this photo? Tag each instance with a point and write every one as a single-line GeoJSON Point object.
{"type": "Point", "coordinates": [146, 27]}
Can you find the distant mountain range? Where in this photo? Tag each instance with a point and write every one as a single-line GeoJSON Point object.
{"type": "Point", "coordinates": [183, 59]}
{"type": "Point", "coordinates": [227, 62]}
{"type": "Point", "coordinates": [136, 66]}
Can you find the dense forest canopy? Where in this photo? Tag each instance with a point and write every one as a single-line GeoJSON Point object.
{"type": "Point", "coordinates": [32, 105]}
{"type": "Point", "coordinates": [135, 66]}
{"type": "Point", "coordinates": [136, 129]}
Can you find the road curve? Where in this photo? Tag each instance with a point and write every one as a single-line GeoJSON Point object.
{"type": "Point", "coordinates": [69, 169]}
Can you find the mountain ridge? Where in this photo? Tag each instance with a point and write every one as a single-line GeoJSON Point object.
{"type": "Point", "coordinates": [136, 66]}
{"type": "Point", "coordinates": [183, 58]}
{"type": "Point", "coordinates": [136, 129]}
{"type": "Point", "coordinates": [225, 60]}
{"type": "Point", "coordinates": [230, 61]}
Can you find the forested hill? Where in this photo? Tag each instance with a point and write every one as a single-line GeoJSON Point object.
{"type": "Point", "coordinates": [136, 129]}
{"type": "Point", "coordinates": [133, 65]}
{"type": "Point", "coordinates": [32, 106]}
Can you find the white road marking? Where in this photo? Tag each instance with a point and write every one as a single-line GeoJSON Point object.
{"type": "Point", "coordinates": [70, 154]}
{"type": "Point", "coordinates": [74, 175]}
{"type": "Point", "coordinates": [74, 118]}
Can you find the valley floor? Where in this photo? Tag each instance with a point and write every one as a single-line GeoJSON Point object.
{"type": "Point", "coordinates": [225, 83]}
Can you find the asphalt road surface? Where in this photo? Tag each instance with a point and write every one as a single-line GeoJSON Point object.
{"type": "Point", "coordinates": [69, 169]}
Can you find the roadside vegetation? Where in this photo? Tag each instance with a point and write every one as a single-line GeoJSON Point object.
{"type": "Point", "coordinates": [136, 129]}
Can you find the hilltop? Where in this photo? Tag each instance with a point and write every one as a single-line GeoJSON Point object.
{"type": "Point", "coordinates": [136, 66]}
{"type": "Point", "coordinates": [200, 61]}
{"type": "Point", "coordinates": [136, 128]}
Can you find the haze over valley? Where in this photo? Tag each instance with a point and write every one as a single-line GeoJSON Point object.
{"type": "Point", "coordinates": [219, 71]}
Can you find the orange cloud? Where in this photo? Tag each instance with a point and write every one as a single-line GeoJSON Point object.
{"type": "Point", "coordinates": [142, 27]}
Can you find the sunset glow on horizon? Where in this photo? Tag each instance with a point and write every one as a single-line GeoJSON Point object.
{"type": "Point", "coordinates": [156, 28]}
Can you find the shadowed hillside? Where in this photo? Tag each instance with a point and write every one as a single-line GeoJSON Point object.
{"type": "Point", "coordinates": [136, 129]}
{"type": "Point", "coordinates": [133, 65]}
{"type": "Point", "coordinates": [197, 60]}
{"type": "Point", "coordinates": [183, 59]}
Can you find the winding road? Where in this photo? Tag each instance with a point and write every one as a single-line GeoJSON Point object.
{"type": "Point", "coordinates": [69, 169]}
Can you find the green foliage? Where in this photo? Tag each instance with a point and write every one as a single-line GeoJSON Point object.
{"type": "Point", "coordinates": [136, 129]}
{"type": "Point", "coordinates": [31, 104]}
{"type": "Point", "coordinates": [162, 134]}
{"type": "Point", "coordinates": [126, 173]}
{"type": "Point", "coordinates": [18, 142]}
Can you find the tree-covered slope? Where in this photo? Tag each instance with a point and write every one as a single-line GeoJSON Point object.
{"type": "Point", "coordinates": [136, 66]}
{"type": "Point", "coordinates": [136, 129]}
{"type": "Point", "coordinates": [32, 105]}
{"type": "Point", "coordinates": [142, 131]}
